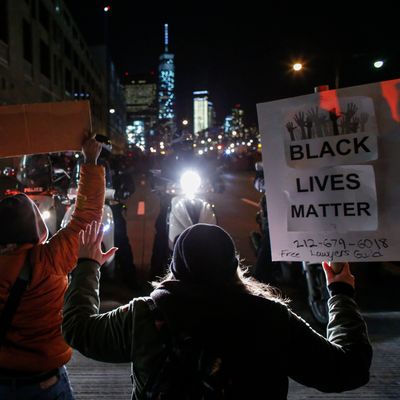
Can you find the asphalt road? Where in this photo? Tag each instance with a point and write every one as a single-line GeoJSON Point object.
{"type": "Point", "coordinates": [235, 209]}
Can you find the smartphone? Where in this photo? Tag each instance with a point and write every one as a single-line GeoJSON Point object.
{"type": "Point", "coordinates": [105, 142]}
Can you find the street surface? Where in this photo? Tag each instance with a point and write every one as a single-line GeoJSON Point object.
{"type": "Point", "coordinates": [377, 295]}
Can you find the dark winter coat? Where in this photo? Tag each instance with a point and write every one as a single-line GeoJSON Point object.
{"type": "Point", "coordinates": [34, 342]}
{"type": "Point", "coordinates": [264, 341]}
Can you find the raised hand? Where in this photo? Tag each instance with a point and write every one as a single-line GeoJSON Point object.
{"type": "Point", "coordinates": [341, 125]}
{"type": "Point", "coordinates": [350, 112]}
{"type": "Point", "coordinates": [338, 272]}
{"type": "Point", "coordinates": [309, 125]}
{"type": "Point", "coordinates": [90, 244]}
{"type": "Point", "coordinates": [326, 126]}
{"type": "Point", "coordinates": [334, 119]}
{"type": "Point", "coordinates": [291, 127]}
{"type": "Point", "coordinates": [317, 119]}
{"type": "Point", "coordinates": [354, 125]}
{"type": "Point", "coordinates": [299, 118]}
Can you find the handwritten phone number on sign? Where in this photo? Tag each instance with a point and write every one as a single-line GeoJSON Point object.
{"type": "Point", "coordinates": [374, 244]}
{"type": "Point", "coordinates": [331, 249]}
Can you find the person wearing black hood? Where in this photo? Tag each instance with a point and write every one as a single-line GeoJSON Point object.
{"type": "Point", "coordinates": [33, 279]}
{"type": "Point", "coordinates": [259, 339]}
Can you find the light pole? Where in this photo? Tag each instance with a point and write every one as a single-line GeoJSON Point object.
{"type": "Point", "coordinates": [106, 10]}
{"type": "Point", "coordinates": [336, 76]}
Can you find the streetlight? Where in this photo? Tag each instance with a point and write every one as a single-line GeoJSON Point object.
{"type": "Point", "coordinates": [297, 66]}
{"type": "Point", "coordinates": [111, 110]}
{"type": "Point", "coordinates": [378, 64]}
{"type": "Point", "coordinates": [185, 122]}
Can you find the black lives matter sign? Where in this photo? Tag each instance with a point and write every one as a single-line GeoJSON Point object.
{"type": "Point", "coordinates": [329, 187]}
{"type": "Point", "coordinates": [331, 166]}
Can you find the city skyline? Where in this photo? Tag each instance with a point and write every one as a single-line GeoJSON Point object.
{"type": "Point", "coordinates": [243, 60]}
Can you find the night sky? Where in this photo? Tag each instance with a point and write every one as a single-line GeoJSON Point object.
{"type": "Point", "coordinates": [242, 54]}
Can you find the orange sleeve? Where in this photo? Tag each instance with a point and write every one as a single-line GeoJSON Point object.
{"type": "Point", "coordinates": [59, 255]}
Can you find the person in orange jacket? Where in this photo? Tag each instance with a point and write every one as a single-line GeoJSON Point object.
{"type": "Point", "coordinates": [33, 353]}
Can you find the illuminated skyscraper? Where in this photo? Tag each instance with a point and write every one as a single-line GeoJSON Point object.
{"type": "Point", "coordinates": [166, 83]}
{"type": "Point", "coordinates": [237, 120]}
{"type": "Point", "coordinates": [141, 107]}
{"type": "Point", "coordinates": [200, 111]}
{"type": "Point", "coordinates": [234, 123]}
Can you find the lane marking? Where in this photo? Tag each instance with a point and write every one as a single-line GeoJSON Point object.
{"type": "Point", "coordinates": [252, 203]}
{"type": "Point", "coordinates": [141, 208]}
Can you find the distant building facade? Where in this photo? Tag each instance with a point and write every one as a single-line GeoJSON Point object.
{"type": "Point", "coordinates": [141, 108]}
{"type": "Point", "coordinates": [237, 120]}
{"type": "Point", "coordinates": [201, 111]}
{"type": "Point", "coordinates": [44, 58]}
{"type": "Point", "coordinates": [114, 99]}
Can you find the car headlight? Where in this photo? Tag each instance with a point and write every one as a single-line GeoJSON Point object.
{"type": "Point", "coordinates": [171, 188]}
{"type": "Point", "coordinates": [190, 182]}
{"type": "Point", "coordinates": [46, 214]}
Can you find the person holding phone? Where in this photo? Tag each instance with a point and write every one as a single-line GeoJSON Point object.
{"type": "Point", "coordinates": [33, 352]}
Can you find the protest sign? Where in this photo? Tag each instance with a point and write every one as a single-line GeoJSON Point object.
{"type": "Point", "coordinates": [331, 162]}
{"type": "Point", "coordinates": [43, 127]}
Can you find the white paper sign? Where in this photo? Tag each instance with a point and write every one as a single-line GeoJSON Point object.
{"type": "Point", "coordinates": [332, 171]}
{"type": "Point", "coordinates": [335, 199]}
{"type": "Point", "coordinates": [331, 134]}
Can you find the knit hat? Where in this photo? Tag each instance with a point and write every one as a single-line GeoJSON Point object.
{"type": "Point", "coordinates": [21, 221]}
{"type": "Point", "coordinates": [204, 253]}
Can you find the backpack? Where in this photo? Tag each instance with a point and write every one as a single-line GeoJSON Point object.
{"type": "Point", "coordinates": [190, 369]}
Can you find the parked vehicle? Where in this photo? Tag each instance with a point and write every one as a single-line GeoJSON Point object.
{"type": "Point", "coordinates": [284, 272]}
{"type": "Point", "coordinates": [182, 204]}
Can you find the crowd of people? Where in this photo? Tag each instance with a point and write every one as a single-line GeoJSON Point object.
{"type": "Point", "coordinates": [204, 312]}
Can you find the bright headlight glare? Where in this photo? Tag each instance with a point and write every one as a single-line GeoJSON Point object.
{"type": "Point", "coordinates": [190, 182]}
{"type": "Point", "coordinates": [46, 214]}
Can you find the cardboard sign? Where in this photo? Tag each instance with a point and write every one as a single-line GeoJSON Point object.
{"type": "Point", "coordinates": [43, 127]}
{"type": "Point", "coordinates": [331, 164]}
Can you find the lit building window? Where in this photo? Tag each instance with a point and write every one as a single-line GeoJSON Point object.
{"type": "Point", "coordinates": [136, 133]}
